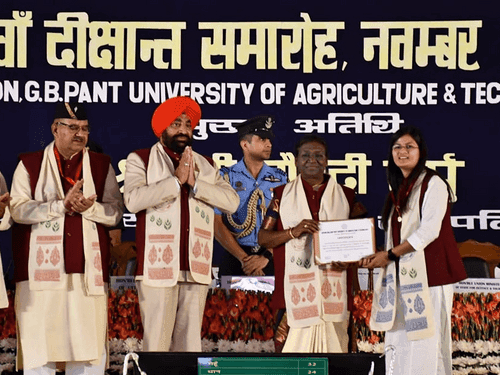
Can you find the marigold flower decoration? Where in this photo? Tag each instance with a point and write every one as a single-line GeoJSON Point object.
{"type": "Point", "coordinates": [8, 319]}
{"type": "Point", "coordinates": [361, 316]}
{"type": "Point", "coordinates": [237, 315]}
{"type": "Point", "coordinates": [475, 316]}
{"type": "Point", "coordinates": [124, 317]}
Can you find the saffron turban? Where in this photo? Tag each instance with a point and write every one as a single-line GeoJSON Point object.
{"type": "Point", "coordinates": [172, 108]}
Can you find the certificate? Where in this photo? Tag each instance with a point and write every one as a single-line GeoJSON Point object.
{"type": "Point", "coordinates": [344, 240]}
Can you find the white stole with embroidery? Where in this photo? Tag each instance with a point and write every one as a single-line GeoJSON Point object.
{"type": "Point", "coordinates": [417, 305]}
{"type": "Point", "coordinates": [163, 227]}
{"type": "Point", "coordinates": [312, 293]}
{"type": "Point", "coordinates": [46, 254]}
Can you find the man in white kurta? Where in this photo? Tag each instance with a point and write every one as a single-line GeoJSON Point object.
{"type": "Point", "coordinates": [173, 191]}
{"type": "Point", "coordinates": [62, 199]}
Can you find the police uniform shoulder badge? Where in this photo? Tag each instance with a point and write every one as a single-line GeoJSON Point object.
{"type": "Point", "coordinates": [277, 176]}
{"type": "Point", "coordinates": [271, 178]}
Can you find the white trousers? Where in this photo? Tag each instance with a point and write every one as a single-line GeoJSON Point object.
{"type": "Point", "coordinates": [325, 337]}
{"type": "Point", "coordinates": [72, 368]}
{"type": "Point", "coordinates": [172, 316]}
{"type": "Point", "coordinates": [430, 356]}
{"type": "Point", "coordinates": [60, 325]}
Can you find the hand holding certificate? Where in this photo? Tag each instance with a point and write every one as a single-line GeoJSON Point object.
{"type": "Point", "coordinates": [344, 240]}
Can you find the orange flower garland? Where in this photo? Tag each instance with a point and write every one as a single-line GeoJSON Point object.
{"type": "Point", "coordinates": [361, 315]}
{"type": "Point", "coordinates": [237, 315]}
{"type": "Point", "coordinates": [124, 317]}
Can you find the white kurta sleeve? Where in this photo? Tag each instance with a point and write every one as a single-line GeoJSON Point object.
{"type": "Point", "coordinates": [108, 212]}
{"type": "Point", "coordinates": [138, 194]}
{"type": "Point", "coordinates": [3, 185]}
{"type": "Point", "coordinates": [23, 208]}
{"type": "Point", "coordinates": [4, 225]}
{"type": "Point", "coordinates": [434, 208]}
{"type": "Point", "coordinates": [6, 220]}
{"type": "Point", "coordinates": [220, 194]}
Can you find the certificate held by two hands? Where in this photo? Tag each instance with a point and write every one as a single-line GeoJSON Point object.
{"type": "Point", "coordinates": [344, 240]}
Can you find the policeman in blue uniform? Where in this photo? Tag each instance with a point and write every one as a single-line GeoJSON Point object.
{"type": "Point", "coordinates": [254, 182]}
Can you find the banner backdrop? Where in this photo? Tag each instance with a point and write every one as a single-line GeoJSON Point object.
{"type": "Point", "coordinates": [352, 71]}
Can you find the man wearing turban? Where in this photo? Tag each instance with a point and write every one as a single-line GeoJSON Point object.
{"type": "Point", "coordinates": [173, 191]}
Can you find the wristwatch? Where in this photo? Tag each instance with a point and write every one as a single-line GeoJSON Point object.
{"type": "Point", "coordinates": [267, 254]}
{"type": "Point", "coordinates": [392, 256]}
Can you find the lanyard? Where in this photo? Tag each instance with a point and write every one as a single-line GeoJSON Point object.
{"type": "Point", "coordinates": [59, 165]}
{"type": "Point", "coordinates": [397, 204]}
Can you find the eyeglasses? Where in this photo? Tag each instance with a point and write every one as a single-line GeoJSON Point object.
{"type": "Point", "coordinates": [407, 147]}
{"type": "Point", "coordinates": [75, 128]}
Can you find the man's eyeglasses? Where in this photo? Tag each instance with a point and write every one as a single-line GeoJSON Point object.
{"type": "Point", "coordinates": [75, 128]}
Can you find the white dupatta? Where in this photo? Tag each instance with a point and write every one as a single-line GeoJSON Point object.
{"type": "Point", "coordinates": [46, 268]}
{"type": "Point", "coordinates": [163, 227]}
{"type": "Point", "coordinates": [312, 293]}
{"type": "Point", "coordinates": [418, 309]}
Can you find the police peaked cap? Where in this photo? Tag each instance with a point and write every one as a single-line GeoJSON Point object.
{"type": "Point", "coordinates": [260, 125]}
